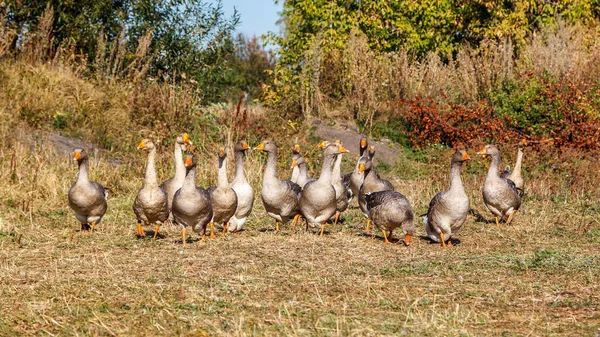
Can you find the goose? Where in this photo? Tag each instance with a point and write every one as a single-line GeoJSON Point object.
{"type": "Point", "coordinates": [317, 202]}
{"type": "Point", "coordinates": [354, 179]}
{"type": "Point", "coordinates": [389, 210]}
{"type": "Point", "coordinates": [243, 190]}
{"type": "Point", "coordinates": [372, 183]}
{"type": "Point", "coordinates": [222, 197]}
{"type": "Point", "coordinates": [342, 192]}
{"type": "Point", "coordinates": [448, 210]}
{"type": "Point", "coordinates": [500, 195]}
{"type": "Point", "coordinates": [279, 197]}
{"type": "Point", "coordinates": [295, 168]}
{"type": "Point", "coordinates": [86, 198]}
{"type": "Point", "coordinates": [515, 175]}
{"type": "Point", "coordinates": [191, 204]}
{"type": "Point", "coordinates": [150, 205]}
{"type": "Point", "coordinates": [171, 185]}
{"type": "Point", "coordinates": [303, 177]}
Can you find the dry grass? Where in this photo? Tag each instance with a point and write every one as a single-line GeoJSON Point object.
{"type": "Point", "coordinates": [538, 276]}
{"type": "Point", "coordinates": [359, 83]}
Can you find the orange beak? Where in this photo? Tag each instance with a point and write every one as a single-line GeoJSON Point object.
{"type": "Point", "coordinates": [260, 146]}
{"type": "Point", "coordinates": [524, 142]}
{"type": "Point", "coordinates": [245, 146]}
{"type": "Point", "coordinates": [407, 239]}
{"type": "Point", "coordinates": [465, 156]}
{"type": "Point", "coordinates": [483, 151]}
{"type": "Point", "coordinates": [186, 139]}
{"type": "Point", "coordinates": [363, 143]}
{"type": "Point", "coordinates": [77, 155]}
{"type": "Point", "coordinates": [361, 168]}
{"type": "Point", "coordinates": [372, 148]}
{"type": "Point", "coordinates": [342, 149]}
{"type": "Point", "coordinates": [142, 145]}
{"type": "Point", "coordinates": [188, 161]}
{"type": "Point", "coordinates": [294, 164]}
{"type": "Point", "coordinates": [221, 151]}
{"type": "Point", "coordinates": [297, 148]}
{"type": "Point", "coordinates": [323, 145]}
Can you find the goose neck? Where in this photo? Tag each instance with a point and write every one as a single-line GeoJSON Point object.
{"type": "Point", "coordinates": [179, 167]}
{"type": "Point", "coordinates": [151, 179]}
{"type": "Point", "coordinates": [455, 181]}
{"type": "Point", "coordinates": [222, 174]}
{"type": "Point", "coordinates": [240, 175]}
{"type": "Point", "coordinates": [82, 176]}
{"type": "Point", "coordinates": [271, 168]}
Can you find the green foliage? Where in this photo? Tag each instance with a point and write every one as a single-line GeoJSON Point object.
{"type": "Point", "coordinates": [250, 67]}
{"type": "Point", "coordinates": [190, 39]}
{"type": "Point", "coordinates": [318, 32]}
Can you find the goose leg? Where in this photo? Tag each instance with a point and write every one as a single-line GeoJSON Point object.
{"type": "Point", "coordinates": [276, 226]}
{"type": "Point", "coordinates": [204, 233]}
{"type": "Point", "coordinates": [442, 239]}
{"type": "Point", "coordinates": [140, 232]}
{"type": "Point", "coordinates": [212, 230]}
{"type": "Point", "coordinates": [93, 225]}
{"type": "Point", "coordinates": [497, 223]}
{"type": "Point", "coordinates": [510, 217]}
{"type": "Point", "coordinates": [183, 236]}
{"type": "Point", "coordinates": [407, 239]}
{"type": "Point", "coordinates": [368, 226]}
{"type": "Point", "coordinates": [337, 216]}
{"type": "Point", "coordinates": [385, 236]}
{"type": "Point", "coordinates": [225, 226]}
{"type": "Point", "coordinates": [322, 229]}
{"type": "Point", "coordinates": [296, 217]}
{"type": "Point", "coordinates": [156, 231]}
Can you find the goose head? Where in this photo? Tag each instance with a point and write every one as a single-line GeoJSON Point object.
{"type": "Point", "coordinates": [146, 145]}
{"type": "Point", "coordinates": [183, 140]}
{"type": "Point", "coordinates": [460, 156]}
{"type": "Point", "coordinates": [189, 162]}
{"type": "Point", "coordinates": [79, 155]}
{"type": "Point", "coordinates": [371, 152]}
{"type": "Point", "coordinates": [267, 146]}
{"type": "Point", "coordinates": [299, 161]}
{"type": "Point", "coordinates": [241, 146]}
{"type": "Point", "coordinates": [489, 150]}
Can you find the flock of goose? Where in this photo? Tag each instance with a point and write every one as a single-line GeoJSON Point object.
{"type": "Point", "coordinates": [316, 200]}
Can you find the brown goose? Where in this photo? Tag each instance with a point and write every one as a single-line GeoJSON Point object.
{"type": "Point", "coordinates": [171, 185]}
{"type": "Point", "coordinates": [243, 190]}
{"type": "Point", "coordinates": [280, 197]}
{"type": "Point", "coordinates": [342, 192]}
{"type": "Point", "coordinates": [191, 204]}
{"type": "Point", "coordinates": [500, 195]}
{"type": "Point", "coordinates": [515, 175]}
{"type": "Point", "coordinates": [354, 179]}
{"type": "Point", "coordinates": [222, 197]}
{"type": "Point", "coordinates": [317, 202]}
{"type": "Point", "coordinates": [86, 198]}
{"type": "Point", "coordinates": [448, 210]}
{"type": "Point", "coordinates": [150, 205]}
{"type": "Point", "coordinates": [303, 177]}
{"type": "Point", "coordinates": [371, 184]}
{"type": "Point", "coordinates": [390, 210]}
{"type": "Point", "coordinates": [295, 168]}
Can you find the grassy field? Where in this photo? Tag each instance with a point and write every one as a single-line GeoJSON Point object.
{"type": "Point", "coordinates": [540, 276]}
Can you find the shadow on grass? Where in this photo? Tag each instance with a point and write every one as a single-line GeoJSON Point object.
{"type": "Point", "coordinates": [480, 218]}
{"type": "Point", "coordinates": [455, 242]}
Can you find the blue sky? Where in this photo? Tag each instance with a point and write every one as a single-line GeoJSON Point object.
{"type": "Point", "coordinates": [257, 16]}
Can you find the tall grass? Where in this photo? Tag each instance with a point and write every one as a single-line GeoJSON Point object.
{"type": "Point", "coordinates": [358, 83]}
